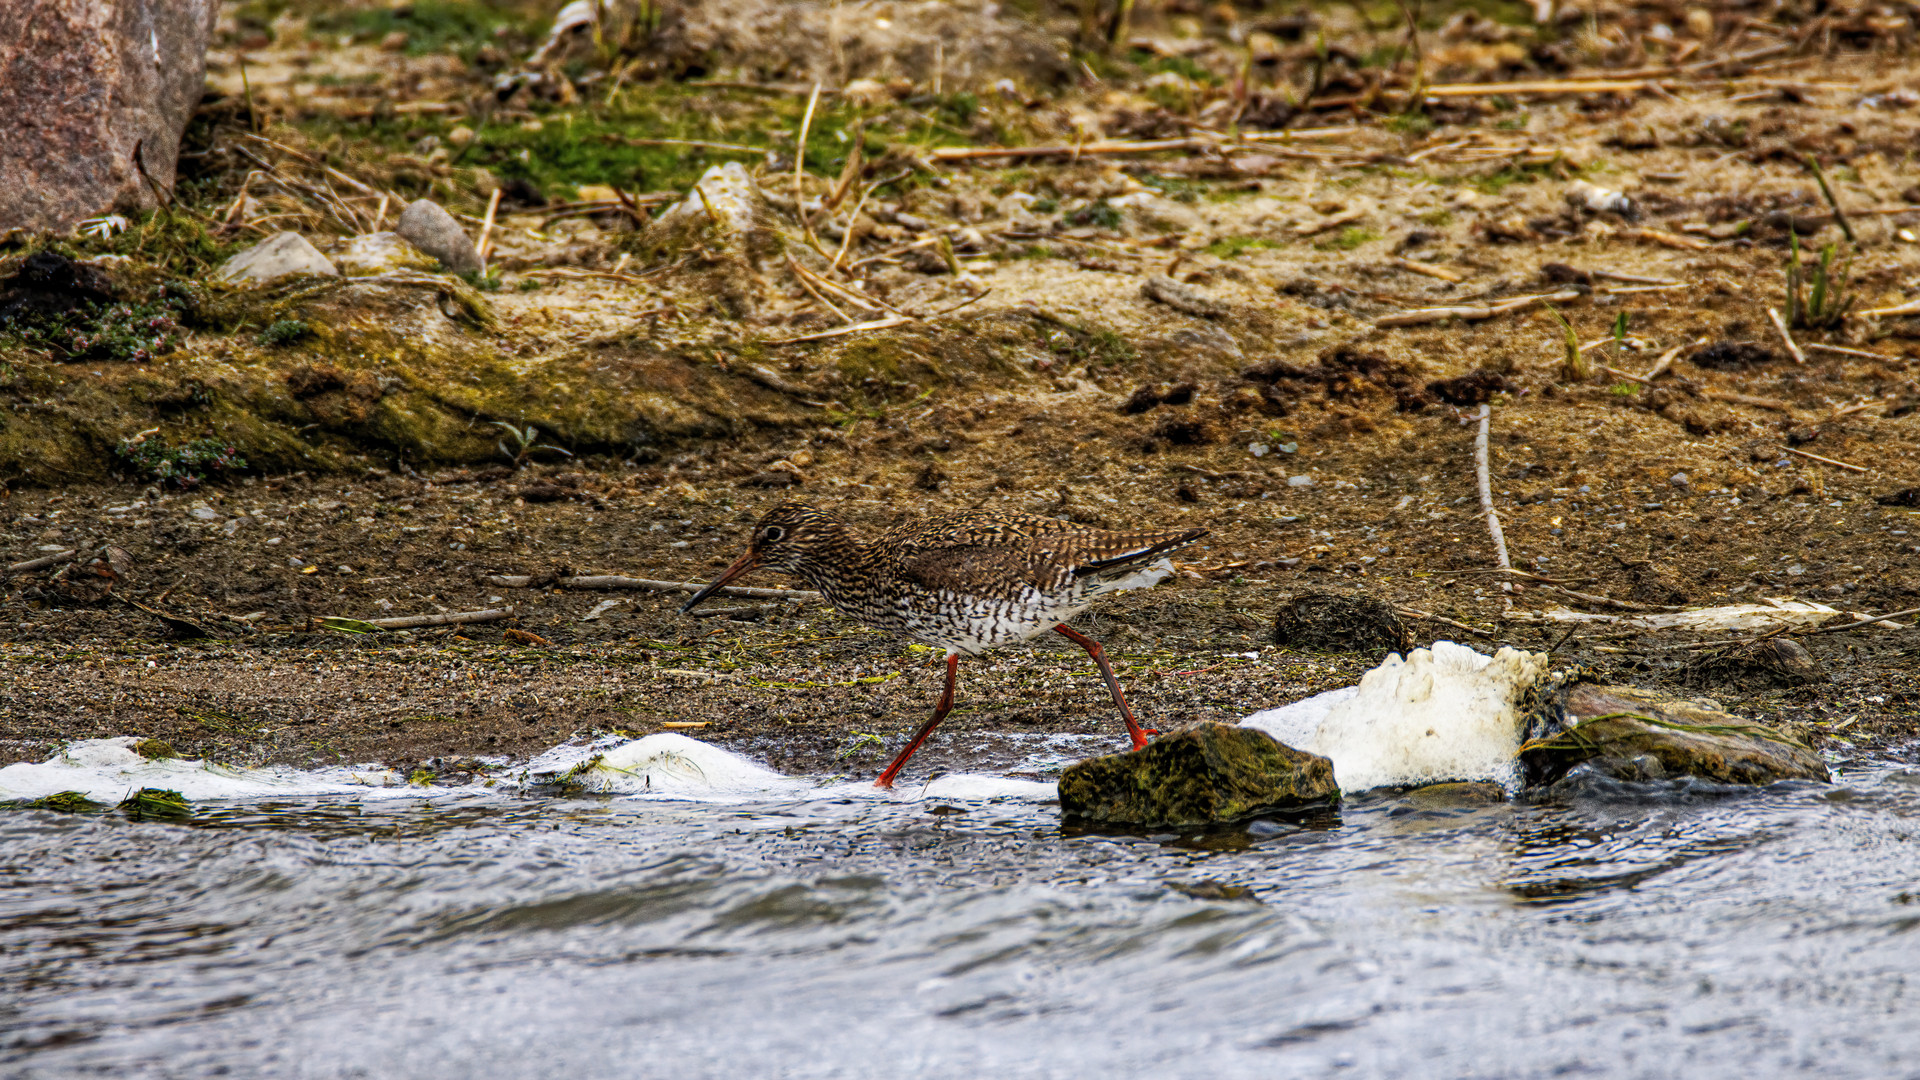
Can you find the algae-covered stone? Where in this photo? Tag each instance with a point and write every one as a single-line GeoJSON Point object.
{"type": "Point", "coordinates": [381, 253]}
{"type": "Point", "coordinates": [281, 255]}
{"type": "Point", "coordinates": [427, 226]}
{"type": "Point", "coordinates": [1629, 733]}
{"type": "Point", "coordinates": [1205, 774]}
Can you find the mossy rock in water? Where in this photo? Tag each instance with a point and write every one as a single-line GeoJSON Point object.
{"type": "Point", "coordinates": [1760, 665]}
{"type": "Point", "coordinates": [1207, 774]}
{"type": "Point", "coordinates": [1341, 622]}
{"type": "Point", "coordinates": [156, 804]}
{"type": "Point", "coordinates": [1628, 733]}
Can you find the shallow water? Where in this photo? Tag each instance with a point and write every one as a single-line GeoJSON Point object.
{"type": "Point", "coordinates": [1748, 934]}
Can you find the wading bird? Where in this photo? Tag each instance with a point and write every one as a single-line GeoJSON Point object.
{"type": "Point", "coordinates": [965, 582]}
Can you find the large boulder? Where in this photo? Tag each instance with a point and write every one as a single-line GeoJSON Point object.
{"type": "Point", "coordinates": [1206, 774]}
{"type": "Point", "coordinates": [95, 96]}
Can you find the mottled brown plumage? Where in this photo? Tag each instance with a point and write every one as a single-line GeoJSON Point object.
{"type": "Point", "coordinates": [964, 582]}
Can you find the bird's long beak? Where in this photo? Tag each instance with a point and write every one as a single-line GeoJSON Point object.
{"type": "Point", "coordinates": [742, 566]}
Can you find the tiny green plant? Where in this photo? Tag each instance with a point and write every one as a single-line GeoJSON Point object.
{"type": "Point", "coordinates": [284, 332]}
{"type": "Point", "coordinates": [128, 332]}
{"type": "Point", "coordinates": [184, 466]}
{"type": "Point", "coordinates": [1573, 366]}
{"type": "Point", "coordinates": [526, 440]}
{"type": "Point", "coordinates": [1099, 214]}
{"type": "Point", "coordinates": [1817, 296]}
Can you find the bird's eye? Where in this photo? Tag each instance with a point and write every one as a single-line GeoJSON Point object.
{"type": "Point", "coordinates": [773, 534]}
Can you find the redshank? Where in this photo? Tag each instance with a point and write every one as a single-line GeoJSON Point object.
{"type": "Point", "coordinates": [965, 582]}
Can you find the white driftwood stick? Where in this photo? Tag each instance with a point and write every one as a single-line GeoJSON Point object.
{"type": "Point", "coordinates": [450, 618]}
{"type": "Point", "coordinates": [1486, 493]}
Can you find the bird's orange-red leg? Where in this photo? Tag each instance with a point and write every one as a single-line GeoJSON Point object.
{"type": "Point", "coordinates": [1099, 655]}
{"type": "Point", "coordinates": [940, 712]}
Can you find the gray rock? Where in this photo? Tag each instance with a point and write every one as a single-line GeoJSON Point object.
{"type": "Point", "coordinates": [280, 255]}
{"type": "Point", "coordinates": [381, 253]}
{"type": "Point", "coordinates": [426, 225]}
{"type": "Point", "coordinates": [84, 86]}
{"type": "Point", "coordinates": [1208, 773]}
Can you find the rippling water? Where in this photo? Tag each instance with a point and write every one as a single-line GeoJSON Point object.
{"type": "Point", "coordinates": [1751, 934]}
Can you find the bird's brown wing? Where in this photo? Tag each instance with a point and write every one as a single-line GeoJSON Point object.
{"type": "Point", "coordinates": [999, 554]}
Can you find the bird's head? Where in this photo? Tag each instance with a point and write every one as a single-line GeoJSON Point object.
{"type": "Point", "coordinates": [786, 538]}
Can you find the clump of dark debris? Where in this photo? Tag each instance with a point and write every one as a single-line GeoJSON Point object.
{"type": "Point", "coordinates": [1341, 622]}
{"type": "Point", "coordinates": [1732, 356]}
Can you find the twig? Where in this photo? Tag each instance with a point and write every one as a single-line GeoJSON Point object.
{"type": "Point", "coordinates": [713, 613]}
{"type": "Point", "coordinates": [1116, 146]}
{"type": "Point", "coordinates": [41, 563]}
{"type": "Point", "coordinates": [846, 238]}
{"type": "Point", "coordinates": [1861, 353]}
{"type": "Point", "coordinates": [1888, 619]}
{"type": "Point", "coordinates": [450, 618]}
{"type": "Point", "coordinates": [1746, 399]}
{"type": "Point", "coordinates": [1661, 365]}
{"type": "Point", "coordinates": [1618, 374]}
{"type": "Point", "coordinates": [1911, 307]}
{"type": "Point", "coordinates": [697, 144]}
{"type": "Point", "coordinates": [971, 300]}
{"type": "Point", "coordinates": [821, 300]}
{"type": "Point", "coordinates": [874, 324]}
{"type": "Point", "coordinates": [1486, 494]}
{"type": "Point", "coordinates": [1780, 324]}
{"type": "Point", "coordinates": [1468, 312]}
{"type": "Point", "coordinates": [486, 229]}
{"type": "Point", "coordinates": [1633, 279]}
{"type": "Point", "coordinates": [1415, 613]}
{"type": "Point", "coordinates": [616, 581]}
{"type": "Point", "coordinates": [1672, 240]}
{"type": "Point", "coordinates": [1429, 270]}
{"type": "Point", "coordinates": [799, 166]}
{"type": "Point", "coordinates": [1608, 601]}
{"type": "Point", "coordinates": [1825, 460]}
{"type": "Point", "coordinates": [1554, 86]}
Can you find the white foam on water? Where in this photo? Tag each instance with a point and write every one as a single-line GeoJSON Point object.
{"type": "Point", "coordinates": [1439, 714]}
{"type": "Point", "coordinates": [667, 766]}
{"type": "Point", "coordinates": [109, 770]}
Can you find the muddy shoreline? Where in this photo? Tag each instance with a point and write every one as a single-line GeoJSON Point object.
{"type": "Point", "coordinates": [792, 684]}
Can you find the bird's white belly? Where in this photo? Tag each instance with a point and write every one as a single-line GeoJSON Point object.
{"type": "Point", "coordinates": [972, 625]}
